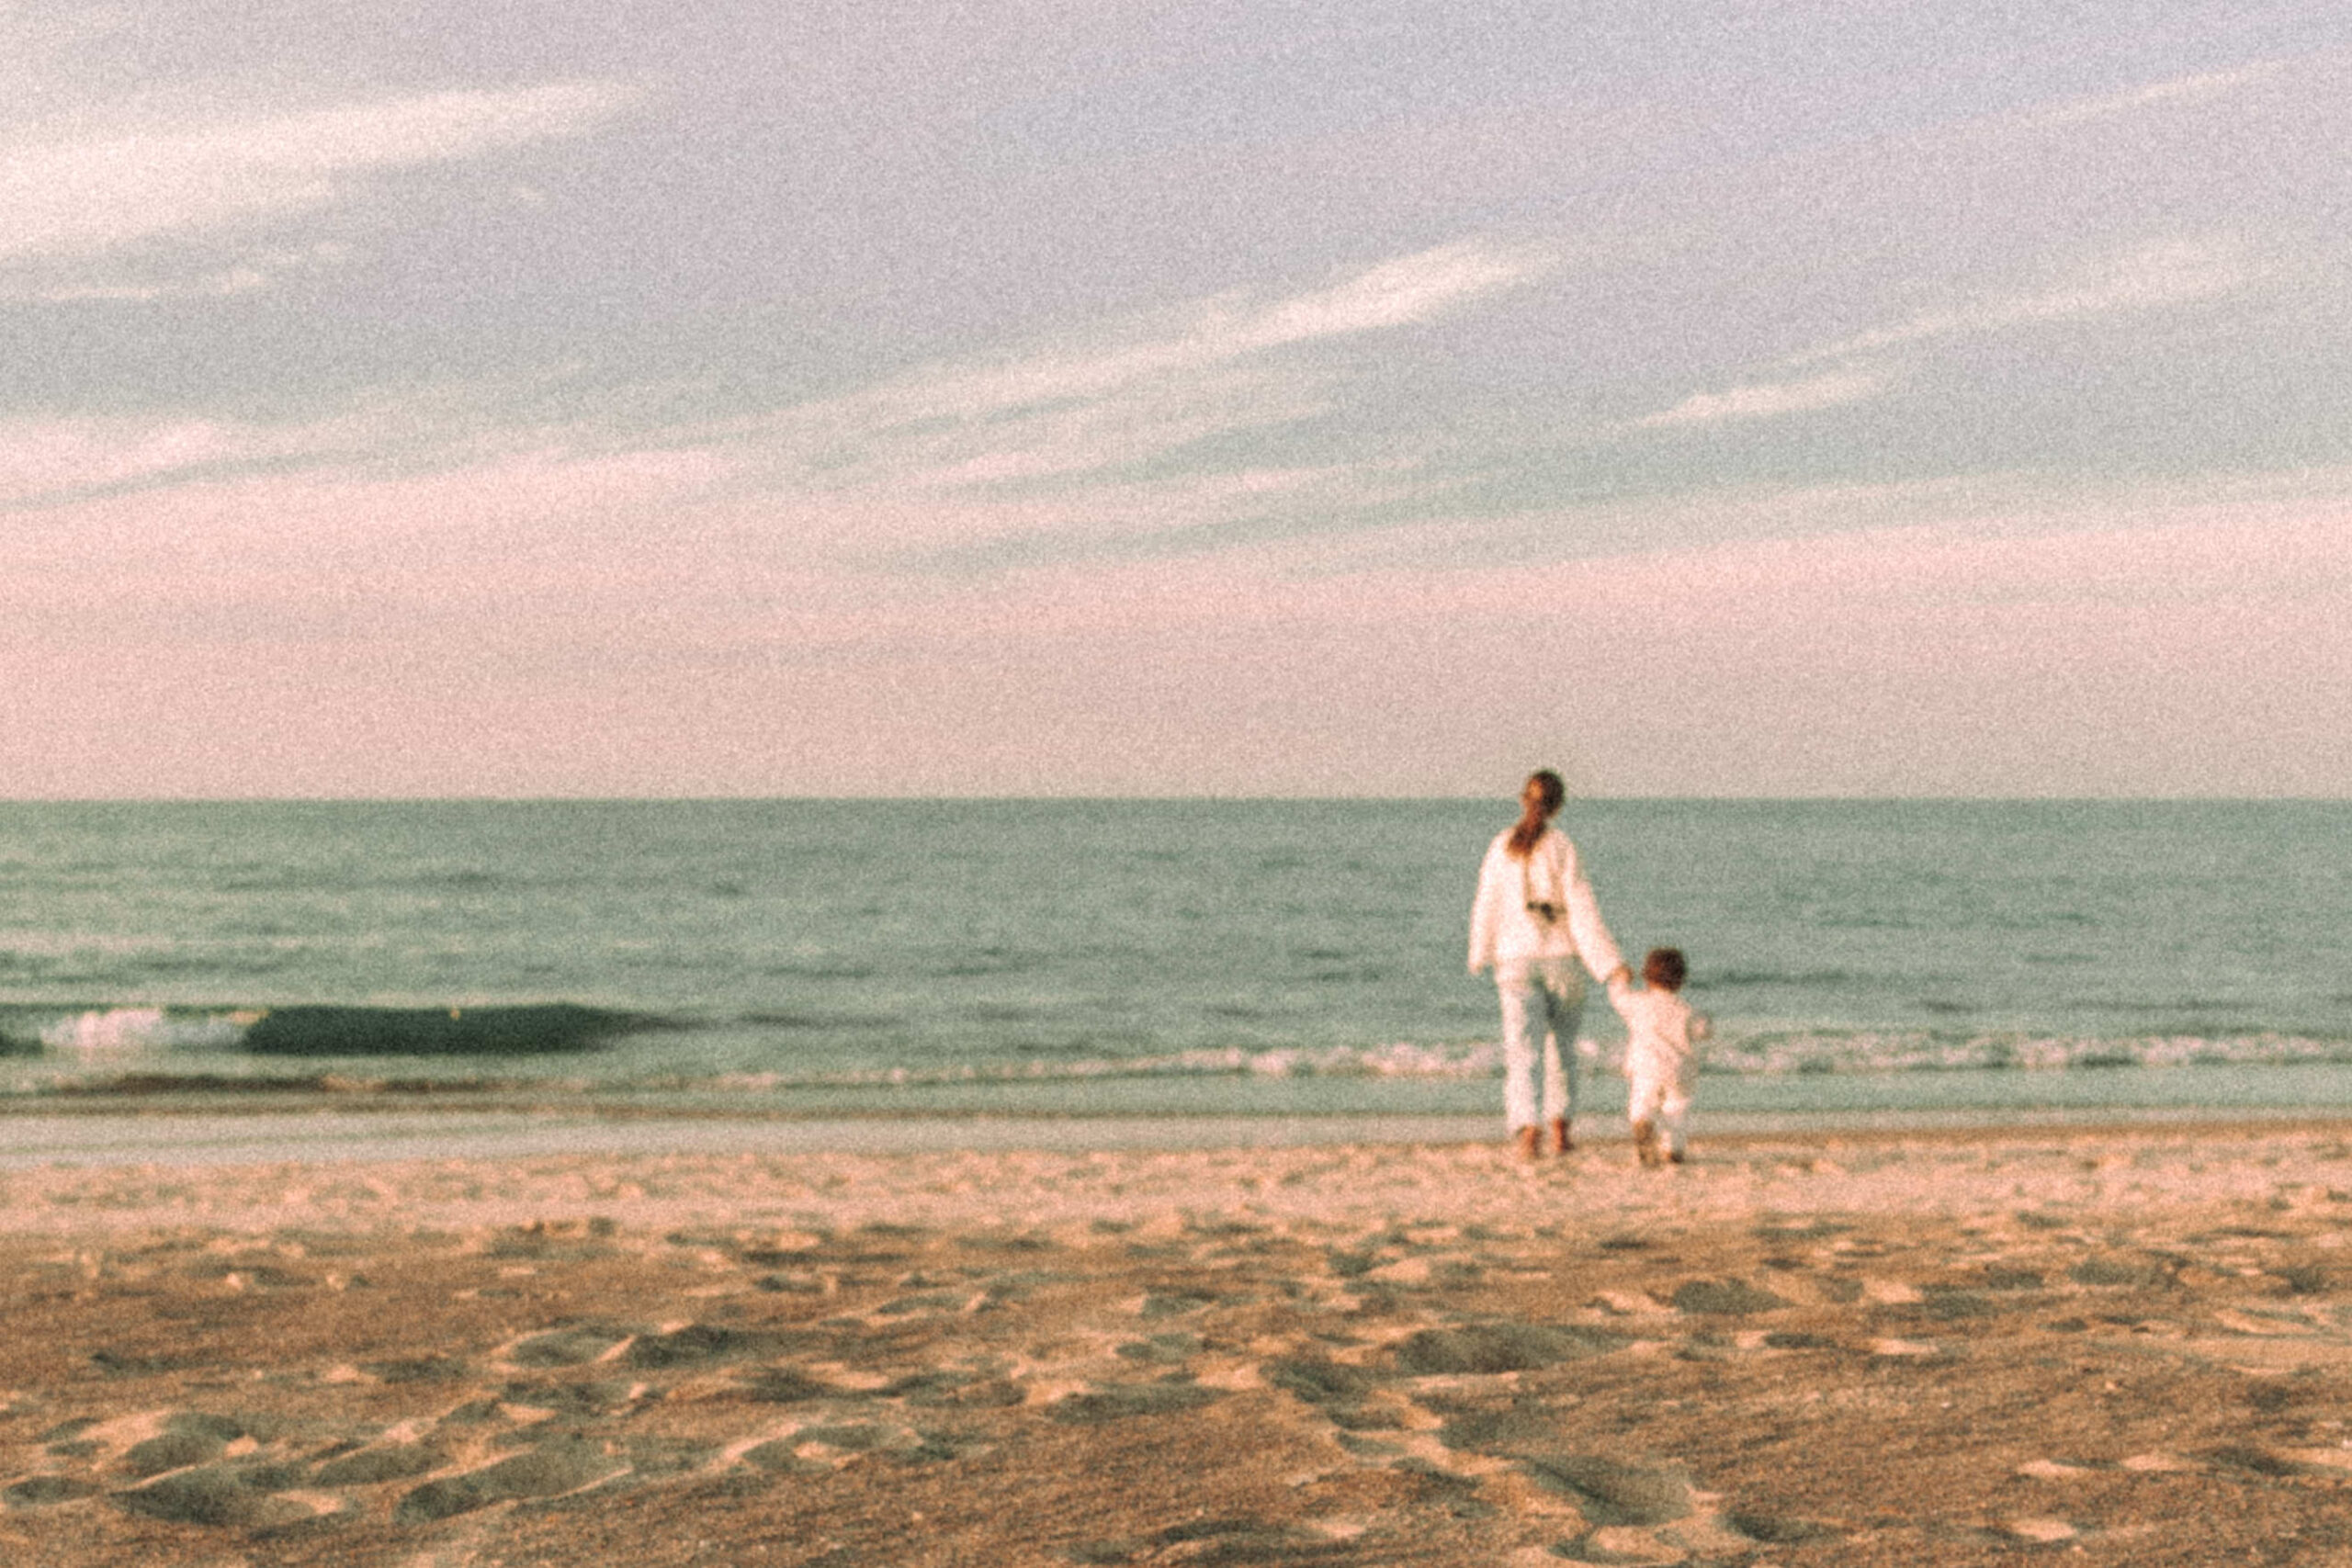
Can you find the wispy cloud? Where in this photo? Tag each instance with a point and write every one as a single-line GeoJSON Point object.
{"type": "Point", "coordinates": [1393, 294]}
{"type": "Point", "coordinates": [85, 198]}
{"type": "Point", "coordinates": [1765, 401]}
{"type": "Point", "coordinates": [1072, 416]}
{"type": "Point", "coordinates": [70, 282]}
{"type": "Point", "coordinates": [47, 457]}
{"type": "Point", "coordinates": [1061, 441]}
{"type": "Point", "coordinates": [53, 462]}
{"type": "Point", "coordinates": [2151, 276]}
{"type": "Point", "coordinates": [2178, 90]}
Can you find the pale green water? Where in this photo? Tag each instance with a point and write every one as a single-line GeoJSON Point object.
{"type": "Point", "coordinates": [1206, 958]}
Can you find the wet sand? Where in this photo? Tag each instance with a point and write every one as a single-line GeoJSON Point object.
{"type": "Point", "coordinates": [2114, 1345]}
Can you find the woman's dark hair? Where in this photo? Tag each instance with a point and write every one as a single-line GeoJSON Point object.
{"type": "Point", "coordinates": [1530, 826]}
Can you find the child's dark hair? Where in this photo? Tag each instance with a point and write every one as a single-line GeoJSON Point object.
{"type": "Point", "coordinates": [1665, 968]}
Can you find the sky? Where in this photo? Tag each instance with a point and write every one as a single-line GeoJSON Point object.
{"type": "Point", "coordinates": [1750, 398]}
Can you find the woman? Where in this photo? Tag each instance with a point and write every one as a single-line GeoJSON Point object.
{"type": "Point", "coordinates": [1534, 921]}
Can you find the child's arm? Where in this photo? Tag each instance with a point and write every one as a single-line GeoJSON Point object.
{"type": "Point", "coordinates": [1621, 996]}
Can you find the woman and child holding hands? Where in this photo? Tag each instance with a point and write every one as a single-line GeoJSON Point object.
{"type": "Point", "coordinates": [1533, 923]}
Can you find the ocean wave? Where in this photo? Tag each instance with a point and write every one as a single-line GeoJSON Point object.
{"type": "Point", "coordinates": [1780, 1056]}
{"type": "Point", "coordinates": [1786, 1054]}
{"type": "Point", "coordinates": [110, 1033]}
{"type": "Point", "coordinates": [1818, 979]}
{"type": "Point", "coordinates": [1901, 1051]}
{"type": "Point", "coordinates": [500, 1030]}
{"type": "Point", "coordinates": [129, 1033]}
{"type": "Point", "coordinates": [1398, 1061]}
{"type": "Point", "coordinates": [142, 1038]}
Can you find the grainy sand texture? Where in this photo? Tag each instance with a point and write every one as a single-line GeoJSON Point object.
{"type": "Point", "coordinates": [2092, 1345]}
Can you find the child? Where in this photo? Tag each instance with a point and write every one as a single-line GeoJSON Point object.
{"type": "Point", "coordinates": [1660, 1030]}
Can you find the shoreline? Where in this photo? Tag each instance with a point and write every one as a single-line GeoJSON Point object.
{"type": "Point", "coordinates": [187, 1130]}
{"type": "Point", "coordinates": [1962, 1095]}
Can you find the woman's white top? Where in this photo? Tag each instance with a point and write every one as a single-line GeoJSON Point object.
{"type": "Point", "coordinates": [1504, 930]}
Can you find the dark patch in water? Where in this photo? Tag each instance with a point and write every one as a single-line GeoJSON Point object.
{"type": "Point", "coordinates": [818, 1019]}
{"type": "Point", "coordinates": [519, 1031]}
{"type": "Point", "coordinates": [819, 971]}
{"type": "Point", "coordinates": [1729, 979]}
{"type": "Point", "coordinates": [450, 881]}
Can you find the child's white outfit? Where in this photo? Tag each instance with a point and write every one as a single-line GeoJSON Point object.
{"type": "Point", "coordinates": [1660, 1031]}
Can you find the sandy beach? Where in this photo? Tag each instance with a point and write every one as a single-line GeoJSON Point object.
{"type": "Point", "coordinates": [2114, 1344]}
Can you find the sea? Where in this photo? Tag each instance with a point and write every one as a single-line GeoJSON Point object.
{"type": "Point", "coordinates": [1228, 958]}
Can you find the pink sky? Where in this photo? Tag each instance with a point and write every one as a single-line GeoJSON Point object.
{"type": "Point", "coordinates": [595, 399]}
{"type": "Point", "coordinates": [622, 626]}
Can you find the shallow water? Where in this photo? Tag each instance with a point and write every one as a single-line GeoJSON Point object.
{"type": "Point", "coordinates": [1193, 956]}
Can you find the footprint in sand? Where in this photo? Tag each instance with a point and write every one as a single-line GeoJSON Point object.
{"type": "Point", "coordinates": [1948, 1304]}
{"type": "Point", "coordinates": [551, 1469]}
{"type": "Point", "coordinates": [373, 1467]}
{"type": "Point", "coordinates": [696, 1345]}
{"type": "Point", "coordinates": [1215, 1540]}
{"type": "Point", "coordinates": [1121, 1402]}
{"type": "Point", "coordinates": [825, 1445]}
{"type": "Point", "coordinates": [2113, 1270]}
{"type": "Point", "coordinates": [423, 1369]}
{"type": "Point", "coordinates": [252, 1495]}
{"type": "Point", "coordinates": [187, 1439]}
{"type": "Point", "coordinates": [1631, 1511]}
{"type": "Point", "coordinates": [1160, 1349]}
{"type": "Point", "coordinates": [568, 1346]}
{"type": "Point", "coordinates": [44, 1491]}
{"type": "Point", "coordinates": [1726, 1297]}
{"type": "Point", "coordinates": [1490, 1348]}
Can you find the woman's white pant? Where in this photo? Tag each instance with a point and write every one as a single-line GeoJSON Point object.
{"type": "Point", "coordinates": [1542, 998]}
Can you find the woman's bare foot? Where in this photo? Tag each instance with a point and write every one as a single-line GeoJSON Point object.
{"type": "Point", "coordinates": [1525, 1139]}
{"type": "Point", "coordinates": [1561, 1142]}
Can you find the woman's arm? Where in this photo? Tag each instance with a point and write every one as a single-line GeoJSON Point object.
{"type": "Point", "coordinates": [1483, 914]}
{"type": "Point", "coordinates": [1586, 927]}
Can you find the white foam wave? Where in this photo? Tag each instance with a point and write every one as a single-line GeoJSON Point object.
{"type": "Point", "coordinates": [1906, 1051]}
{"type": "Point", "coordinates": [1788, 1054]}
{"type": "Point", "coordinates": [101, 1033]}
